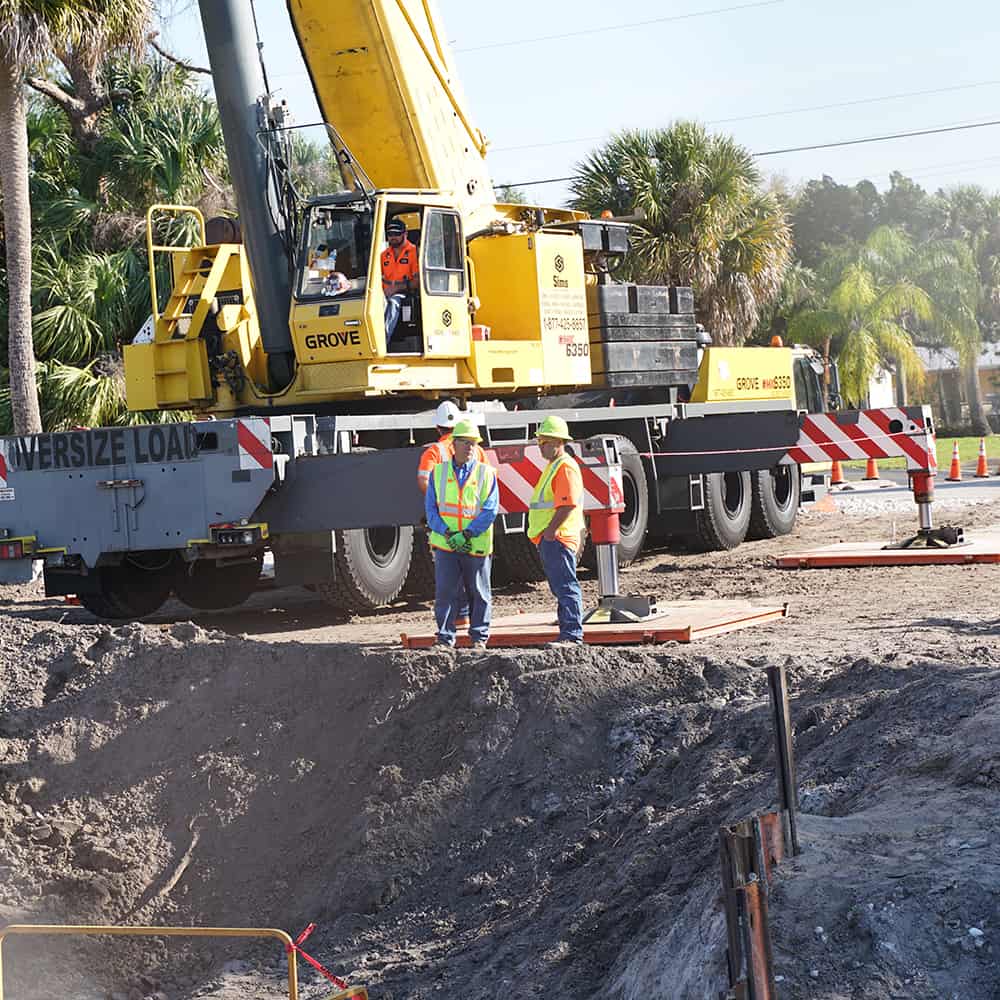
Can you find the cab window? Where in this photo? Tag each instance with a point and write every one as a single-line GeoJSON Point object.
{"type": "Point", "coordinates": [808, 387]}
{"type": "Point", "coordinates": [334, 260]}
{"type": "Point", "coordinates": [444, 253]}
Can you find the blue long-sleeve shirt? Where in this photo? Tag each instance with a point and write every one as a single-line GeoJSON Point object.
{"type": "Point", "coordinates": [480, 522]}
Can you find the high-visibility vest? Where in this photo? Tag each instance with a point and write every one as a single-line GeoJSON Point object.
{"type": "Point", "coordinates": [543, 507]}
{"type": "Point", "coordinates": [397, 269]}
{"type": "Point", "coordinates": [460, 507]}
{"type": "Point", "coordinates": [442, 450]}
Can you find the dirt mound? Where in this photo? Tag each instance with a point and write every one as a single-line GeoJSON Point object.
{"type": "Point", "coordinates": [471, 825]}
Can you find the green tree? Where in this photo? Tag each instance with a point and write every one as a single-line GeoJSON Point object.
{"type": "Point", "coordinates": [863, 311]}
{"type": "Point", "coordinates": [31, 31]}
{"type": "Point", "coordinates": [826, 214]}
{"type": "Point", "coordinates": [906, 205]}
{"type": "Point", "coordinates": [972, 220]}
{"type": "Point", "coordinates": [90, 287]}
{"type": "Point", "coordinates": [707, 222]}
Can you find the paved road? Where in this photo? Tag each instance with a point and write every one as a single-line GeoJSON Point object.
{"type": "Point", "coordinates": [969, 487]}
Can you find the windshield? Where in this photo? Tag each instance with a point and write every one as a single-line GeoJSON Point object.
{"type": "Point", "coordinates": [337, 244]}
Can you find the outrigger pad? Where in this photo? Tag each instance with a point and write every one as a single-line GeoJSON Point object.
{"type": "Point", "coordinates": [621, 609]}
{"type": "Point", "coordinates": [948, 536]}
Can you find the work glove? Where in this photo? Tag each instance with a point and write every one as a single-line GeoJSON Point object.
{"type": "Point", "coordinates": [457, 541]}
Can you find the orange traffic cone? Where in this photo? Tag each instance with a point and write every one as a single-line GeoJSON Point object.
{"type": "Point", "coordinates": [871, 470]}
{"type": "Point", "coordinates": [955, 474]}
{"type": "Point", "coordinates": [837, 474]}
{"type": "Point", "coordinates": [982, 471]}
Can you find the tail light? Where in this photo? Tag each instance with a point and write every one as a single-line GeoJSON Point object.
{"type": "Point", "coordinates": [12, 550]}
{"type": "Point", "coordinates": [237, 534]}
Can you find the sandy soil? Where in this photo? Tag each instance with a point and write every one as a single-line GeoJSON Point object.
{"type": "Point", "coordinates": [531, 821]}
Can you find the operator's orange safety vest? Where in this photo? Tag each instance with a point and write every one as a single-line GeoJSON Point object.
{"type": "Point", "coordinates": [397, 269]}
{"type": "Point", "coordinates": [442, 450]}
{"type": "Point", "coordinates": [460, 507]}
{"type": "Point", "coordinates": [543, 504]}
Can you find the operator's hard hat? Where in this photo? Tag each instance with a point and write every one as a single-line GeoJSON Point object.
{"type": "Point", "coordinates": [466, 429]}
{"type": "Point", "coordinates": [554, 427]}
{"type": "Point", "coordinates": [395, 227]}
{"type": "Point", "coordinates": [447, 414]}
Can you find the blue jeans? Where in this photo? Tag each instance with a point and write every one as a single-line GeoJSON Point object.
{"type": "Point", "coordinates": [559, 563]}
{"type": "Point", "coordinates": [457, 578]}
{"type": "Point", "coordinates": [393, 312]}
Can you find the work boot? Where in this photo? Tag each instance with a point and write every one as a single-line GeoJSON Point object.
{"type": "Point", "coordinates": [444, 644]}
{"type": "Point", "coordinates": [564, 643]}
{"type": "Point", "coordinates": [480, 646]}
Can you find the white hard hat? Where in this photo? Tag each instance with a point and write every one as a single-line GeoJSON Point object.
{"type": "Point", "coordinates": [447, 414]}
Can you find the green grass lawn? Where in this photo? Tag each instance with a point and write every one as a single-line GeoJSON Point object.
{"type": "Point", "coordinates": [968, 448]}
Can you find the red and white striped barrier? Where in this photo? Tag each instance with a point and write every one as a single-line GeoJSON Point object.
{"type": "Point", "coordinates": [520, 467]}
{"type": "Point", "coordinates": [253, 435]}
{"type": "Point", "coordinates": [888, 432]}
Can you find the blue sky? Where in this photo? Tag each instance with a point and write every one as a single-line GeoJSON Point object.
{"type": "Point", "coordinates": [738, 71]}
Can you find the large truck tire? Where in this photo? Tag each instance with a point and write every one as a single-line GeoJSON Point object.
{"type": "Point", "coordinates": [370, 567]}
{"type": "Point", "coordinates": [517, 557]}
{"type": "Point", "coordinates": [127, 592]}
{"type": "Point", "coordinates": [633, 522]}
{"type": "Point", "coordinates": [775, 502]}
{"type": "Point", "coordinates": [420, 578]}
{"type": "Point", "coordinates": [206, 586]}
{"type": "Point", "coordinates": [723, 522]}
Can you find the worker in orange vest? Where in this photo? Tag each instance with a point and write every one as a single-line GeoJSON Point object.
{"type": "Point", "coordinates": [443, 450]}
{"type": "Point", "coordinates": [400, 274]}
{"type": "Point", "coordinates": [555, 525]}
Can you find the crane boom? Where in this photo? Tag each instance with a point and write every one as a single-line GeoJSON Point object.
{"type": "Point", "coordinates": [383, 72]}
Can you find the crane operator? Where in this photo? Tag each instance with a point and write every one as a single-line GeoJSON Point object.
{"type": "Point", "coordinates": [400, 273]}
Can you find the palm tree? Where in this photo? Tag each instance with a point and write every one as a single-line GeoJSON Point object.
{"type": "Point", "coordinates": [90, 283]}
{"type": "Point", "coordinates": [31, 31]}
{"type": "Point", "coordinates": [973, 221]}
{"type": "Point", "coordinates": [877, 296]}
{"type": "Point", "coordinates": [866, 310]}
{"type": "Point", "coordinates": [705, 219]}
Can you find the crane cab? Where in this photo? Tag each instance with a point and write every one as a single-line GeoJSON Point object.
{"type": "Point", "coordinates": [340, 307]}
{"type": "Point", "coordinates": [501, 312]}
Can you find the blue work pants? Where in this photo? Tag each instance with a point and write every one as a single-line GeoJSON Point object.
{"type": "Point", "coordinates": [458, 578]}
{"type": "Point", "coordinates": [559, 563]}
{"type": "Point", "coordinates": [393, 312]}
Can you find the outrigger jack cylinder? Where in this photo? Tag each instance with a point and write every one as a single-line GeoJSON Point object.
{"type": "Point", "coordinates": [613, 608]}
{"type": "Point", "coordinates": [927, 536]}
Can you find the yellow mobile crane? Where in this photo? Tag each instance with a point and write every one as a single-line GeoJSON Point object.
{"type": "Point", "coordinates": [275, 328]}
{"type": "Point", "coordinates": [511, 300]}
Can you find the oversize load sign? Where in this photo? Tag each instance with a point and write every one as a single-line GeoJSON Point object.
{"type": "Point", "coordinates": [109, 446]}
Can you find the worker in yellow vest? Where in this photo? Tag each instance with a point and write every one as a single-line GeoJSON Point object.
{"type": "Point", "coordinates": [555, 525]}
{"type": "Point", "coordinates": [461, 505]}
{"type": "Point", "coordinates": [445, 418]}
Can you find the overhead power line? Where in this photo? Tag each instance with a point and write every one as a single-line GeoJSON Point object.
{"type": "Point", "coordinates": [774, 114]}
{"type": "Point", "coordinates": [802, 149]}
{"type": "Point", "coordinates": [878, 138]}
{"type": "Point", "coordinates": [619, 27]}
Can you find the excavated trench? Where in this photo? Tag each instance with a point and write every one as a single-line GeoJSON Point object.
{"type": "Point", "coordinates": [482, 826]}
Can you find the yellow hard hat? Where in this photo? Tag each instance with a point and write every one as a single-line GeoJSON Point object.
{"type": "Point", "coordinates": [554, 427]}
{"type": "Point", "coordinates": [466, 429]}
